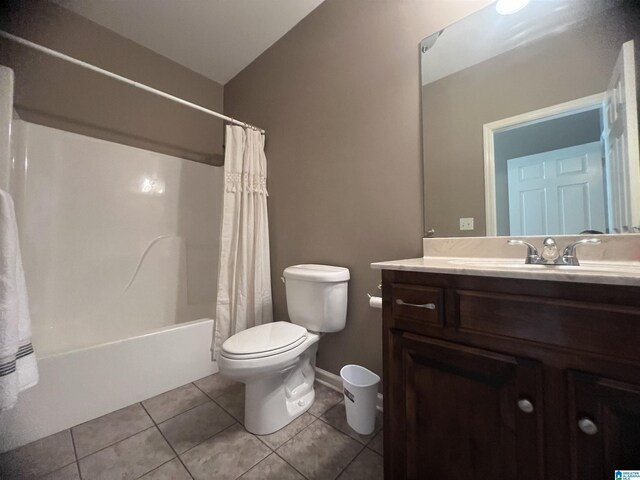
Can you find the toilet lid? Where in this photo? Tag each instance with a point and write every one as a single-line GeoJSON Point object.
{"type": "Point", "coordinates": [265, 338]}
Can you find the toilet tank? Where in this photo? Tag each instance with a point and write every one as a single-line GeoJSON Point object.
{"type": "Point", "coordinates": [317, 296]}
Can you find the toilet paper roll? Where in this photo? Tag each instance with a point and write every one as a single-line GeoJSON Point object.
{"type": "Point", "coordinates": [375, 302]}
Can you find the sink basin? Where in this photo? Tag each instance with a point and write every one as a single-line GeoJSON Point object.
{"type": "Point", "coordinates": [585, 267]}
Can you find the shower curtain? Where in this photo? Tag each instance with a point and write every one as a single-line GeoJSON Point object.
{"type": "Point", "coordinates": [244, 275]}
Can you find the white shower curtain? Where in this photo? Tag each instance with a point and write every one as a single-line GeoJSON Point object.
{"type": "Point", "coordinates": [244, 275]}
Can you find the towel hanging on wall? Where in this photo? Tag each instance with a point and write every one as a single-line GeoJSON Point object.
{"type": "Point", "coordinates": [18, 369]}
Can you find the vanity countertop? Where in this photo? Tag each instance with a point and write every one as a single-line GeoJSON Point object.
{"type": "Point", "coordinates": [611, 273]}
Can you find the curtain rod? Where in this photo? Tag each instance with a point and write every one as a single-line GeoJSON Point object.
{"type": "Point", "coordinates": [126, 80]}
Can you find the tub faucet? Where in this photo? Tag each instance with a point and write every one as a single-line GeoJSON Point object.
{"type": "Point", "coordinates": [550, 253]}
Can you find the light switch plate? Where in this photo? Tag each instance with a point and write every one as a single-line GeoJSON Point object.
{"type": "Point", "coordinates": [466, 223]}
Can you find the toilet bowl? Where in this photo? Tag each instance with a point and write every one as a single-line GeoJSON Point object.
{"type": "Point", "coordinates": [276, 361]}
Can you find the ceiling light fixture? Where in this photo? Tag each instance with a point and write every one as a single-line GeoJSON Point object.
{"type": "Point", "coordinates": [508, 7]}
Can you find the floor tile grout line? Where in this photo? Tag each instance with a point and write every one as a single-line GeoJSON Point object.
{"type": "Point", "coordinates": [255, 464]}
{"type": "Point", "coordinates": [377, 453]}
{"type": "Point", "coordinates": [324, 420]}
{"type": "Point", "coordinates": [112, 443]}
{"type": "Point", "coordinates": [154, 424]}
{"type": "Point", "coordinates": [208, 399]}
{"type": "Point", "coordinates": [214, 435]}
{"type": "Point", "coordinates": [168, 443]}
{"type": "Point", "coordinates": [156, 468]}
{"type": "Point", "coordinates": [334, 428]}
{"type": "Point", "coordinates": [55, 469]}
{"type": "Point", "coordinates": [236, 422]}
{"type": "Point", "coordinates": [285, 461]}
{"type": "Point", "coordinates": [352, 460]}
{"type": "Point", "coordinates": [292, 437]}
{"type": "Point", "coordinates": [208, 438]}
{"type": "Point", "coordinates": [244, 473]}
{"type": "Point", "coordinates": [262, 441]}
{"type": "Point", "coordinates": [178, 414]}
{"type": "Point", "coordinates": [209, 396]}
{"type": "Point", "coordinates": [73, 444]}
{"type": "Point", "coordinates": [75, 453]}
{"type": "Point", "coordinates": [366, 444]}
{"type": "Point", "coordinates": [259, 437]}
{"type": "Point", "coordinates": [324, 412]}
{"type": "Point", "coordinates": [194, 384]}
{"type": "Point", "coordinates": [229, 413]}
{"type": "Point", "coordinates": [115, 443]}
{"type": "Point", "coordinates": [109, 413]}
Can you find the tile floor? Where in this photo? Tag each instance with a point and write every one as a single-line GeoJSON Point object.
{"type": "Point", "coordinates": [196, 432]}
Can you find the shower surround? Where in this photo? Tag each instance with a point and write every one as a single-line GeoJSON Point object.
{"type": "Point", "coordinates": [120, 249]}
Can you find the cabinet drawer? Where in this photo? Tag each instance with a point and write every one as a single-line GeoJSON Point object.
{"type": "Point", "coordinates": [589, 327]}
{"type": "Point", "coordinates": [414, 306]}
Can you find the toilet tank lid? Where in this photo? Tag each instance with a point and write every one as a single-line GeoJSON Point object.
{"type": "Point", "coordinates": [317, 273]}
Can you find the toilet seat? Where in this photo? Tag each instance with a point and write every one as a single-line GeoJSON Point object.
{"type": "Point", "coordinates": [264, 341]}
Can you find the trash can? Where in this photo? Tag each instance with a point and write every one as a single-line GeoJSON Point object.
{"type": "Point", "coordinates": [360, 388]}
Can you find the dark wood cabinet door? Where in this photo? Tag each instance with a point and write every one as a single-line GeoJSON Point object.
{"type": "Point", "coordinates": [605, 426]}
{"type": "Point", "coordinates": [467, 413]}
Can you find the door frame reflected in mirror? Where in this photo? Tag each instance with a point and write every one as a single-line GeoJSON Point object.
{"type": "Point", "coordinates": [489, 130]}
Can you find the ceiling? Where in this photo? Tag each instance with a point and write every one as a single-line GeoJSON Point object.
{"type": "Point", "coordinates": [216, 38]}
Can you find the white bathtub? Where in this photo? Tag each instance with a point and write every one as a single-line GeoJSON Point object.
{"type": "Point", "coordinates": [82, 384]}
{"type": "Point", "coordinates": [120, 249]}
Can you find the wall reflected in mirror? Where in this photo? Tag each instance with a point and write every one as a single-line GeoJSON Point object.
{"type": "Point", "coordinates": [530, 121]}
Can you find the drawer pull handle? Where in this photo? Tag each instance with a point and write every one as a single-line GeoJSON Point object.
{"type": "Point", "coordinates": [525, 405]}
{"type": "Point", "coordinates": [587, 426]}
{"type": "Point", "coordinates": [428, 306]}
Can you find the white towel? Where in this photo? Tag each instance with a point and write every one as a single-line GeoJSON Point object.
{"type": "Point", "coordinates": [18, 369]}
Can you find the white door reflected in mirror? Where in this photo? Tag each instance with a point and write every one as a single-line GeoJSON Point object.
{"type": "Point", "coordinates": [557, 192]}
{"type": "Point", "coordinates": [591, 186]}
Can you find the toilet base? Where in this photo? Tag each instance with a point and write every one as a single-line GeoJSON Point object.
{"type": "Point", "coordinates": [274, 401]}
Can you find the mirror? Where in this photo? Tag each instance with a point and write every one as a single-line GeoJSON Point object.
{"type": "Point", "coordinates": [530, 120]}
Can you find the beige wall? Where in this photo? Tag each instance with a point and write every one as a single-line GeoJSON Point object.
{"type": "Point", "coordinates": [557, 69]}
{"type": "Point", "coordinates": [57, 94]}
{"type": "Point", "coordinates": [339, 96]}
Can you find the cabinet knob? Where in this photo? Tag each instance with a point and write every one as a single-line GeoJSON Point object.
{"type": "Point", "coordinates": [525, 405]}
{"type": "Point", "coordinates": [587, 426]}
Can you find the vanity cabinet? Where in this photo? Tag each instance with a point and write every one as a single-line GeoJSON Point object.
{"type": "Point", "coordinates": [508, 378]}
{"type": "Point", "coordinates": [606, 432]}
{"type": "Point", "coordinates": [456, 398]}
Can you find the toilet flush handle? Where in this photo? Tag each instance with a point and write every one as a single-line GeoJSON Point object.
{"type": "Point", "coordinates": [283, 280]}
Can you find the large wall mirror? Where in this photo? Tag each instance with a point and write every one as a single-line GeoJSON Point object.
{"type": "Point", "coordinates": [530, 120]}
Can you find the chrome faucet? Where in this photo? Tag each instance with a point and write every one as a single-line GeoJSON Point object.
{"type": "Point", "coordinates": [550, 253]}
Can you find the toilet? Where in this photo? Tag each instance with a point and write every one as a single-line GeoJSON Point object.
{"type": "Point", "coordinates": [276, 361]}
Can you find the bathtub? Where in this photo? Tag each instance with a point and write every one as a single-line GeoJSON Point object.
{"type": "Point", "coordinates": [120, 250]}
{"type": "Point", "coordinates": [79, 385]}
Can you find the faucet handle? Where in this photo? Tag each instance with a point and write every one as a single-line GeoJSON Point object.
{"type": "Point", "coordinates": [569, 254]}
{"type": "Point", "coordinates": [532, 251]}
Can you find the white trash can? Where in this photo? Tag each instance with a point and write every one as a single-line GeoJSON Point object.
{"type": "Point", "coordinates": [360, 397]}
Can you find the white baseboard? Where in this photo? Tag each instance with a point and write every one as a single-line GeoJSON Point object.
{"type": "Point", "coordinates": [334, 382]}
